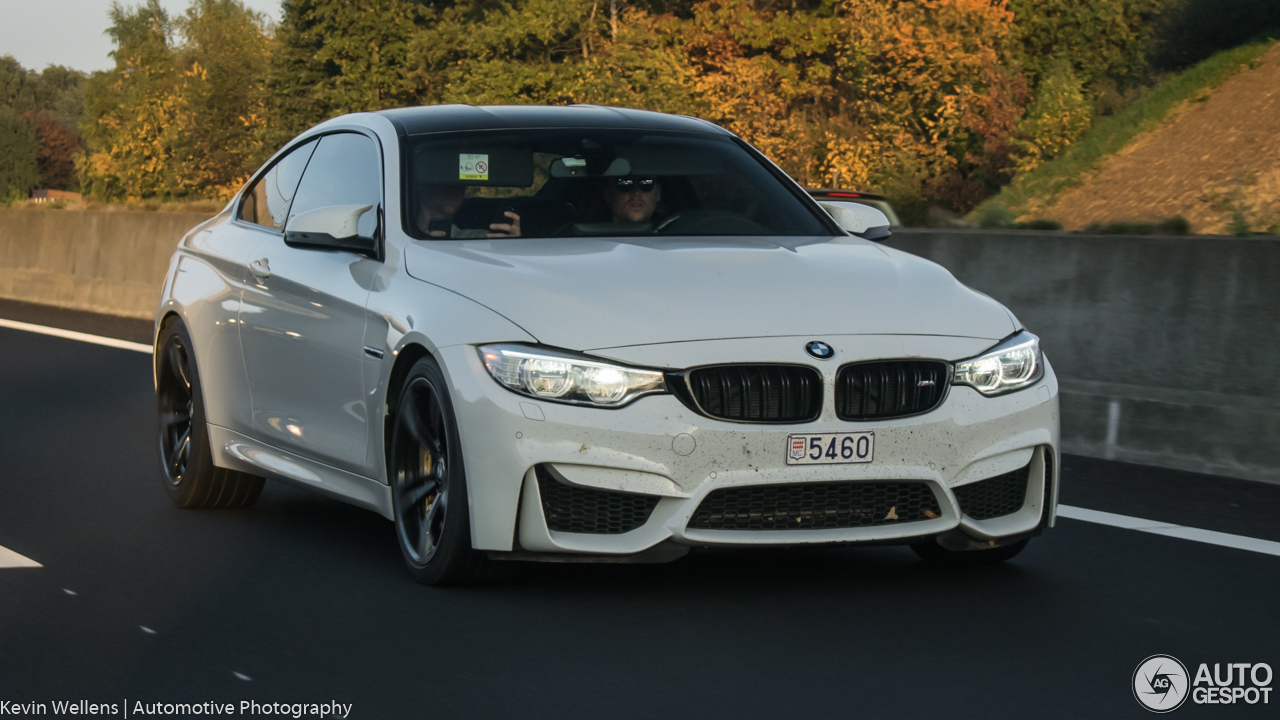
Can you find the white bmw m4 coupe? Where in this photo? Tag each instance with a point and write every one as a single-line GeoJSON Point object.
{"type": "Point", "coordinates": [585, 333]}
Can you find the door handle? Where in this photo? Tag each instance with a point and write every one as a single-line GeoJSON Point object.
{"type": "Point", "coordinates": [260, 269]}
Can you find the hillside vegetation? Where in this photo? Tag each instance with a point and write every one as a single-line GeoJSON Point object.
{"type": "Point", "coordinates": [1203, 145]}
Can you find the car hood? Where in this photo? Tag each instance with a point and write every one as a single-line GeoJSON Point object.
{"type": "Point", "coordinates": [593, 293]}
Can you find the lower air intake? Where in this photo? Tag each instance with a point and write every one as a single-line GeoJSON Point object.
{"type": "Point", "coordinates": [994, 497]}
{"type": "Point", "coordinates": [813, 506]}
{"type": "Point", "coordinates": [570, 508]}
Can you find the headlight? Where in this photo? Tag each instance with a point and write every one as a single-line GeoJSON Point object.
{"type": "Point", "coordinates": [1011, 365]}
{"type": "Point", "coordinates": [550, 375]}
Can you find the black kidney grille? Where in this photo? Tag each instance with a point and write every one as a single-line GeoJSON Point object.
{"type": "Point", "coordinates": [889, 388]}
{"type": "Point", "coordinates": [994, 497]}
{"type": "Point", "coordinates": [758, 393]}
{"type": "Point", "coordinates": [569, 508]}
{"type": "Point", "coordinates": [809, 506]}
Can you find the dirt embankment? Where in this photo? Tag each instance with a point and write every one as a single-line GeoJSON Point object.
{"type": "Point", "coordinates": [1215, 162]}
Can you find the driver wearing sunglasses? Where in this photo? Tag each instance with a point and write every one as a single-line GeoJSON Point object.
{"type": "Point", "coordinates": [633, 199]}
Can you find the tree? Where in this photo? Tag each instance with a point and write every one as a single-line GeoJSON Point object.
{"type": "Point", "coordinates": [58, 146]}
{"type": "Point", "coordinates": [51, 103]}
{"type": "Point", "coordinates": [331, 57]}
{"type": "Point", "coordinates": [19, 157]}
{"type": "Point", "coordinates": [223, 60]}
{"type": "Point", "coordinates": [131, 110]}
{"type": "Point", "coordinates": [181, 112]}
{"type": "Point", "coordinates": [1102, 40]}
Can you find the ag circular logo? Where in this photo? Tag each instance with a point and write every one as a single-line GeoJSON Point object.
{"type": "Point", "coordinates": [1160, 683]}
{"type": "Point", "coordinates": [820, 350]}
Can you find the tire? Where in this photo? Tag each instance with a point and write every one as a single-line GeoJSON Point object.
{"type": "Point", "coordinates": [190, 478]}
{"type": "Point", "coordinates": [428, 483]}
{"type": "Point", "coordinates": [930, 551]}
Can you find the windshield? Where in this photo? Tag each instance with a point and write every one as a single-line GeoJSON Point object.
{"type": "Point", "coordinates": [592, 183]}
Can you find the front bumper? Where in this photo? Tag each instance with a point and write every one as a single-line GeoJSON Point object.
{"type": "Point", "coordinates": [658, 447]}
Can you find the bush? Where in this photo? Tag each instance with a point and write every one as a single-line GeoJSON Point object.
{"type": "Point", "coordinates": [1058, 115]}
{"type": "Point", "coordinates": [1176, 225]}
{"type": "Point", "coordinates": [1051, 225]}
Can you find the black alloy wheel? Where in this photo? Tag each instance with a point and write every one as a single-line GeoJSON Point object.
{"type": "Point", "coordinates": [428, 485]}
{"type": "Point", "coordinates": [421, 472]}
{"type": "Point", "coordinates": [190, 477]}
{"type": "Point", "coordinates": [176, 410]}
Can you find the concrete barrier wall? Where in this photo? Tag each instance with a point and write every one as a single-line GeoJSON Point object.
{"type": "Point", "coordinates": [1168, 347]}
{"type": "Point", "coordinates": [102, 261]}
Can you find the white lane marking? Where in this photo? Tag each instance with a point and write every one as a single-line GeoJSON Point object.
{"type": "Point", "coordinates": [1238, 542]}
{"type": "Point", "coordinates": [11, 559]}
{"type": "Point", "coordinates": [72, 335]}
{"type": "Point", "coordinates": [242, 676]}
{"type": "Point", "coordinates": [147, 630]}
{"type": "Point", "coordinates": [69, 592]}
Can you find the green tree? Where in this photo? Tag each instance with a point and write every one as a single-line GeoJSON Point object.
{"type": "Point", "coordinates": [223, 60]}
{"type": "Point", "coordinates": [1102, 40]}
{"type": "Point", "coordinates": [19, 157]}
{"type": "Point", "coordinates": [331, 57]}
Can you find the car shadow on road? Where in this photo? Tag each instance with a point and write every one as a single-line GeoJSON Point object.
{"type": "Point", "coordinates": [346, 534]}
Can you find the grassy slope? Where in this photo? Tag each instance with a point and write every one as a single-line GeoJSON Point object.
{"type": "Point", "coordinates": [1037, 189]}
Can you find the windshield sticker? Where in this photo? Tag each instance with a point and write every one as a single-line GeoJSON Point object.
{"type": "Point", "coordinates": [473, 167]}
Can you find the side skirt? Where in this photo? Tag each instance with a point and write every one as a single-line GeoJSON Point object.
{"type": "Point", "coordinates": [234, 451]}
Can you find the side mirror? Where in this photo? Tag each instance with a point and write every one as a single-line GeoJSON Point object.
{"type": "Point", "coordinates": [862, 220]}
{"type": "Point", "coordinates": [331, 228]}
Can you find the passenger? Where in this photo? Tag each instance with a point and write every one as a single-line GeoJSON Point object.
{"type": "Point", "coordinates": [633, 200]}
{"type": "Point", "coordinates": [439, 203]}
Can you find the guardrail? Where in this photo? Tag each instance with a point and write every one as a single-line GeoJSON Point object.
{"type": "Point", "coordinates": [97, 260]}
{"type": "Point", "coordinates": [1168, 348]}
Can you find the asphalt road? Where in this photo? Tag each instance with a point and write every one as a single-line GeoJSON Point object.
{"type": "Point", "coordinates": [303, 599]}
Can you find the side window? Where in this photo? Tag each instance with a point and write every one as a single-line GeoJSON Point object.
{"type": "Point", "coordinates": [267, 202]}
{"type": "Point", "coordinates": [344, 170]}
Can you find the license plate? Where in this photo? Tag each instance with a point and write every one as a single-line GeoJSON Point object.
{"type": "Point", "coordinates": [831, 448]}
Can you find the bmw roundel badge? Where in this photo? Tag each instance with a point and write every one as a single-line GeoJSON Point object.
{"type": "Point", "coordinates": [820, 350]}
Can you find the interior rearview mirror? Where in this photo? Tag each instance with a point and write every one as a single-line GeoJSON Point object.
{"type": "Point", "coordinates": [579, 167]}
{"type": "Point", "coordinates": [336, 227]}
{"type": "Point", "coordinates": [862, 220]}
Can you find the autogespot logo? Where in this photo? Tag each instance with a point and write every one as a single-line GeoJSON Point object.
{"type": "Point", "coordinates": [819, 349]}
{"type": "Point", "coordinates": [1160, 683]}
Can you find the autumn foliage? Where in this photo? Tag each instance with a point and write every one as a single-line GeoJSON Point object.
{"type": "Point", "coordinates": [928, 101]}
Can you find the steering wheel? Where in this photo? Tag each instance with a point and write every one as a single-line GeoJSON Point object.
{"type": "Point", "coordinates": [706, 221]}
